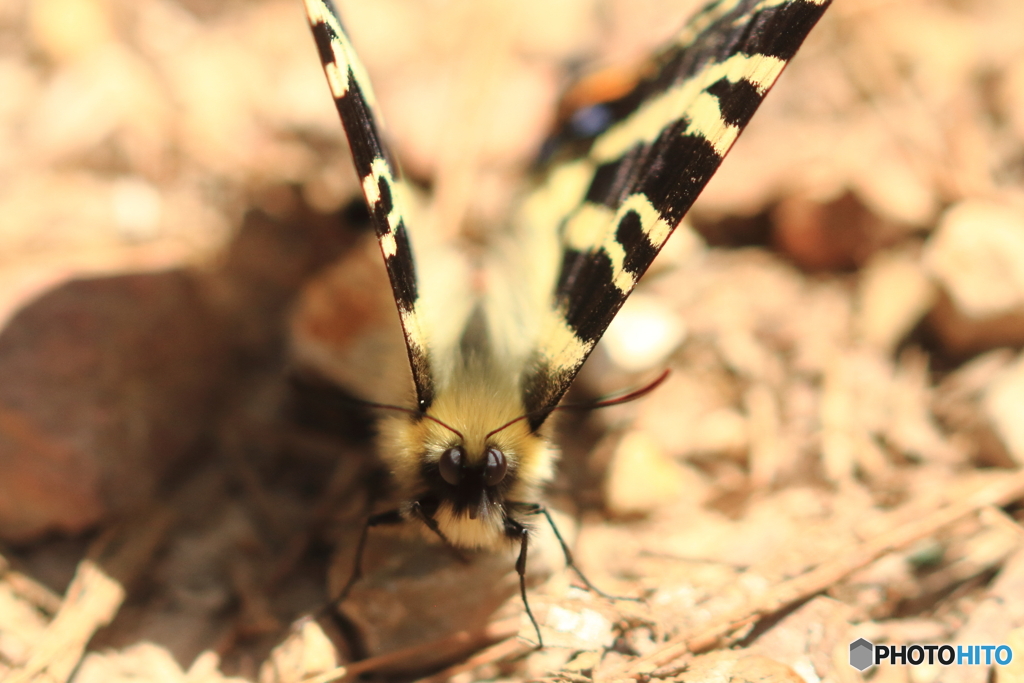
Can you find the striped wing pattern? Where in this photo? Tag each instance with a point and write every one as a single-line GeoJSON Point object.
{"type": "Point", "coordinates": [613, 195]}
{"type": "Point", "coordinates": [630, 183]}
{"type": "Point", "coordinates": [381, 182]}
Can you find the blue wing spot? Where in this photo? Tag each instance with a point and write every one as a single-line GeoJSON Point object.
{"type": "Point", "coordinates": [591, 120]}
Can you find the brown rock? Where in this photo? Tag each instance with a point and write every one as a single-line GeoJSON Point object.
{"type": "Point", "coordinates": [107, 385]}
{"type": "Point", "coordinates": [1003, 404]}
{"type": "Point", "coordinates": [961, 405]}
{"type": "Point", "coordinates": [418, 592]}
{"type": "Point", "coordinates": [345, 327]}
{"type": "Point", "coordinates": [418, 595]}
{"type": "Point", "coordinates": [641, 476]}
{"type": "Point", "coordinates": [894, 293]}
{"type": "Point", "coordinates": [977, 256]}
{"type": "Point", "coordinates": [643, 334]}
{"type": "Point", "coordinates": [305, 653]}
{"type": "Point", "coordinates": [837, 234]}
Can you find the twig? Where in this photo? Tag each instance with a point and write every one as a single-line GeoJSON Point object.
{"type": "Point", "coordinates": [36, 593]}
{"type": "Point", "coordinates": [495, 632]}
{"type": "Point", "coordinates": [91, 602]}
{"type": "Point", "coordinates": [815, 581]}
{"type": "Point", "coordinates": [507, 648]}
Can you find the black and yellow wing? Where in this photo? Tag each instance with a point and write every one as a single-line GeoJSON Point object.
{"type": "Point", "coordinates": [615, 193]}
{"type": "Point", "coordinates": [382, 184]}
{"type": "Point", "coordinates": [608, 197]}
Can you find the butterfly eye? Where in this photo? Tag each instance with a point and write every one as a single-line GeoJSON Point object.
{"type": "Point", "coordinates": [495, 468]}
{"type": "Point", "coordinates": [450, 465]}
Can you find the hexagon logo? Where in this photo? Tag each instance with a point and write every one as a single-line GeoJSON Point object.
{"type": "Point", "coordinates": [861, 654]}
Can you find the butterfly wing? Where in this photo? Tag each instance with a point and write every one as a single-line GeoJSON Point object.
{"type": "Point", "coordinates": [616, 193]}
{"type": "Point", "coordinates": [381, 182]}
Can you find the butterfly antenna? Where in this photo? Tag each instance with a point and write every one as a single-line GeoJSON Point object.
{"type": "Point", "coordinates": [601, 403]}
{"type": "Point", "coordinates": [413, 412]}
{"type": "Point", "coordinates": [619, 400]}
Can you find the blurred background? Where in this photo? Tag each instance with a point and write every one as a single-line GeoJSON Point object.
{"type": "Point", "coordinates": [843, 312]}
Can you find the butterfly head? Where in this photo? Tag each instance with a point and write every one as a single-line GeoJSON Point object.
{"type": "Point", "coordinates": [481, 480]}
{"type": "Point", "coordinates": [465, 460]}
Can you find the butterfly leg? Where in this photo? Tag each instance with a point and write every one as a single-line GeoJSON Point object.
{"type": "Point", "coordinates": [537, 509]}
{"type": "Point", "coordinates": [517, 532]}
{"type": "Point", "coordinates": [391, 517]}
{"type": "Point", "coordinates": [417, 511]}
{"type": "Point", "coordinates": [380, 519]}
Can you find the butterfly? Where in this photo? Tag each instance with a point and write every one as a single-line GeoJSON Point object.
{"type": "Point", "coordinates": [492, 356]}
